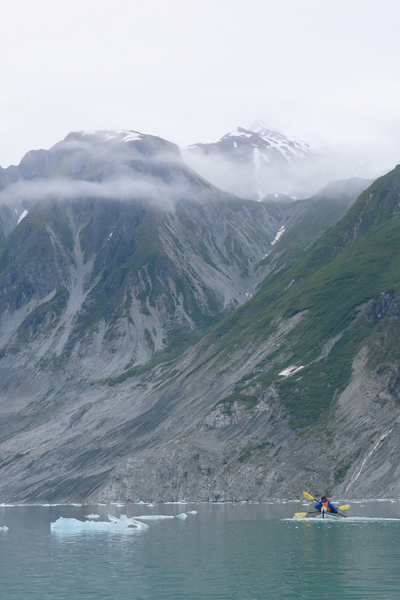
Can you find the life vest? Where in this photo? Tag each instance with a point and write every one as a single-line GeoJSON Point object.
{"type": "Point", "coordinates": [326, 503]}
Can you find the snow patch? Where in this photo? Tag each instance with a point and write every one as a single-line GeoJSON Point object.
{"type": "Point", "coordinates": [290, 370]}
{"type": "Point", "coordinates": [121, 135]}
{"type": "Point", "coordinates": [278, 235]}
{"type": "Point", "coordinates": [22, 216]}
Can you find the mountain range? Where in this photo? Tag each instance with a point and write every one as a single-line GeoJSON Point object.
{"type": "Point", "coordinates": [162, 339]}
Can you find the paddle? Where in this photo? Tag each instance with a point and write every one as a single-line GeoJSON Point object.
{"type": "Point", "coordinates": [303, 514]}
{"type": "Point", "coordinates": [309, 497]}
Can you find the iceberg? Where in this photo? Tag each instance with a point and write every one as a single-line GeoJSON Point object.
{"type": "Point", "coordinates": [93, 516]}
{"type": "Point", "coordinates": [4, 528]}
{"type": "Point", "coordinates": [63, 525]}
{"type": "Point", "coordinates": [181, 516]}
{"type": "Point", "coordinates": [192, 512]}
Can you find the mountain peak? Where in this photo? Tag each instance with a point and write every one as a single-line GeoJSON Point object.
{"type": "Point", "coordinates": [261, 160]}
{"type": "Point", "coordinates": [120, 135]}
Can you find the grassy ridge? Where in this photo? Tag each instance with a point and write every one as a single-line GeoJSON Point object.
{"type": "Point", "coordinates": [335, 282]}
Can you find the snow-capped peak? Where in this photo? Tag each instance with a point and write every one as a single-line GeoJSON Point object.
{"type": "Point", "coordinates": [120, 135]}
{"type": "Point", "coordinates": [266, 138]}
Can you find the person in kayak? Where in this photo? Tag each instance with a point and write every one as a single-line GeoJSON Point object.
{"type": "Point", "coordinates": [329, 507]}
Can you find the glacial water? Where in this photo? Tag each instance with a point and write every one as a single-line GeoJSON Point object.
{"type": "Point", "coordinates": [225, 551]}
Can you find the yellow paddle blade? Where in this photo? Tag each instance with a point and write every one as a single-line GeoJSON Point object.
{"type": "Point", "coordinates": [308, 496]}
{"type": "Point", "coordinates": [300, 514]}
{"type": "Point", "coordinates": [344, 507]}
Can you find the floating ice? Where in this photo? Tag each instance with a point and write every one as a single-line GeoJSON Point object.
{"type": "Point", "coordinates": [192, 512]}
{"type": "Point", "coordinates": [63, 525]}
{"type": "Point", "coordinates": [155, 517]}
{"type": "Point", "coordinates": [4, 528]}
{"type": "Point", "coordinates": [181, 516]}
{"type": "Point", "coordinates": [94, 516]}
{"type": "Point", "coordinates": [3, 505]}
{"type": "Point", "coordinates": [358, 520]}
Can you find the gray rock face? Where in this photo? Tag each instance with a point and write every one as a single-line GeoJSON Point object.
{"type": "Point", "coordinates": [135, 363]}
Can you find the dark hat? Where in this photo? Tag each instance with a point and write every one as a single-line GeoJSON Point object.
{"type": "Point", "coordinates": [324, 498]}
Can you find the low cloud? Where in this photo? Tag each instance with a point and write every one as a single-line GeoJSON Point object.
{"type": "Point", "coordinates": [299, 179]}
{"type": "Point", "coordinates": [150, 189]}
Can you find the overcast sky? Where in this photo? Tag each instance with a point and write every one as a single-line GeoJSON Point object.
{"type": "Point", "coordinates": [191, 70]}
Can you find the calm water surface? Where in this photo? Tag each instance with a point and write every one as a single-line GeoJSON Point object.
{"type": "Point", "coordinates": [224, 552]}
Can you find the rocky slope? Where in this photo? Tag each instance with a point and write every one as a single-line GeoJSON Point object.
{"type": "Point", "coordinates": [226, 396]}
{"type": "Point", "coordinates": [121, 252]}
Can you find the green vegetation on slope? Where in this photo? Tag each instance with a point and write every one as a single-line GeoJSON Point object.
{"type": "Point", "coordinates": [334, 284]}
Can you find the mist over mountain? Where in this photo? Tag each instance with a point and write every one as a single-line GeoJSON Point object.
{"type": "Point", "coordinates": [255, 162]}
{"type": "Point", "coordinates": [162, 339]}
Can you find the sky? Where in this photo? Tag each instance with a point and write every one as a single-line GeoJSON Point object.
{"type": "Point", "coordinates": [191, 71]}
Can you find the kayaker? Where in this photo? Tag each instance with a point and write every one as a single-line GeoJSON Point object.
{"type": "Point", "coordinates": [329, 507]}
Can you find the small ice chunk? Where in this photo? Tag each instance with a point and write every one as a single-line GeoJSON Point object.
{"type": "Point", "coordinates": [93, 516]}
{"type": "Point", "coordinates": [4, 528]}
{"type": "Point", "coordinates": [155, 517]}
{"type": "Point", "coordinates": [181, 516]}
{"type": "Point", "coordinates": [63, 525]}
{"type": "Point", "coordinates": [192, 512]}
{"type": "Point", "coordinates": [22, 216]}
